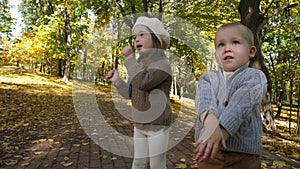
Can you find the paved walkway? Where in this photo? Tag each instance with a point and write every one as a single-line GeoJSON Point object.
{"type": "Point", "coordinates": [75, 150]}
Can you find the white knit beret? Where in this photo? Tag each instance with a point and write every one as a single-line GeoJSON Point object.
{"type": "Point", "coordinates": [157, 27]}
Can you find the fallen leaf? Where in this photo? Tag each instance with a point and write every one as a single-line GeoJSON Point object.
{"type": "Point", "coordinates": [66, 164]}
{"type": "Point", "coordinates": [85, 144]}
{"type": "Point", "coordinates": [194, 165]}
{"type": "Point", "coordinates": [181, 166]}
{"type": "Point", "coordinates": [11, 162]}
{"type": "Point", "coordinates": [25, 164]}
{"type": "Point", "coordinates": [277, 163]}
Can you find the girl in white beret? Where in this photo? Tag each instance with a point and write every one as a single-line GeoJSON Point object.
{"type": "Point", "coordinates": [148, 88]}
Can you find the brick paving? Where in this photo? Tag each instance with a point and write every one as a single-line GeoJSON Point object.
{"type": "Point", "coordinates": [73, 153]}
{"type": "Point", "coordinates": [75, 150]}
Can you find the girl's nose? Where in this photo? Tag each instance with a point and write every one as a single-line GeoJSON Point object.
{"type": "Point", "coordinates": [136, 39]}
{"type": "Point", "coordinates": [227, 48]}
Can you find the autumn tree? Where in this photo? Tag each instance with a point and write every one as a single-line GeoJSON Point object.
{"type": "Point", "coordinates": [281, 46]}
{"type": "Point", "coordinates": [256, 19]}
{"type": "Point", "coordinates": [5, 29]}
{"type": "Point", "coordinates": [6, 19]}
{"type": "Point", "coordinates": [67, 22]}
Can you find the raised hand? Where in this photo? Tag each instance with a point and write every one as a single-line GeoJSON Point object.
{"type": "Point", "coordinates": [127, 51]}
{"type": "Point", "coordinates": [112, 76]}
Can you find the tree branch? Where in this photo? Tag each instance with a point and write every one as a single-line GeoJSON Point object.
{"type": "Point", "coordinates": [160, 9]}
{"type": "Point", "coordinates": [145, 5]}
{"type": "Point", "coordinates": [127, 21]}
{"type": "Point", "coordinates": [267, 9]}
{"type": "Point", "coordinates": [281, 9]}
{"type": "Point", "coordinates": [265, 20]}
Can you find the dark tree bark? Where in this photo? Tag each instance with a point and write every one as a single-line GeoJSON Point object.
{"type": "Point", "coordinates": [298, 110]}
{"type": "Point", "coordinates": [67, 31]}
{"type": "Point", "coordinates": [60, 66]}
{"type": "Point", "coordinates": [85, 53]}
{"type": "Point", "coordinates": [279, 103]}
{"type": "Point", "coordinates": [252, 18]}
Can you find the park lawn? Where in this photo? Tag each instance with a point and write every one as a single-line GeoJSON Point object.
{"type": "Point", "coordinates": [36, 87]}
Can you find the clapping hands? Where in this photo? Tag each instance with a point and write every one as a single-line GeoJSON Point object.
{"type": "Point", "coordinates": [209, 143]}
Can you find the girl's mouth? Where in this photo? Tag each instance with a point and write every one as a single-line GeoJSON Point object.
{"type": "Point", "coordinates": [228, 58]}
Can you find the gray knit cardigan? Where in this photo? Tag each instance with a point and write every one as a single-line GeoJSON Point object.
{"type": "Point", "coordinates": [237, 104]}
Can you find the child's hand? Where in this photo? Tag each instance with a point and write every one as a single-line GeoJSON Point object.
{"type": "Point", "coordinates": [127, 51]}
{"type": "Point", "coordinates": [112, 76]}
{"type": "Point", "coordinates": [211, 138]}
{"type": "Point", "coordinates": [208, 147]}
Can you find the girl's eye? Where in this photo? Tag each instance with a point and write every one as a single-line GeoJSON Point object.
{"type": "Point", "coordinates": [141, 35]}
{"type": "Point", "coordinates": [134, 37]}
{"type": "Point", "coordinates": [235, 42]}
{"type": "Point", "coordinates": [220, 44]}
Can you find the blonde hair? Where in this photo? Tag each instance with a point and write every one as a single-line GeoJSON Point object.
{"type": "Point", "coordinates": [246, 32]}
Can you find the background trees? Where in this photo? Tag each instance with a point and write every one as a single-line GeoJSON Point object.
{"type": "Point", "coordinates": [57, 36]}
{"type": "Point", "coordinates": [6, 26]}
{"type": "Point", "coordinates": [6, 19]}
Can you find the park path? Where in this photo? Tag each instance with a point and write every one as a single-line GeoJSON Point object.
{"type": "Point", "coordinates": [42, 131]}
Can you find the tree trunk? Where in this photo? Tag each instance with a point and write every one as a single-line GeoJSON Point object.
{"type": "Point", "coordinates": [291, 103]}
{"type": "Point", "coordinates": [251, 17]}
{"type": "Point", "coordinates": [298, 111]}
{"type": "Point", "coordinates": [67, 31]}
{"type": "Point", "coordinates": [291, 75]}
{"type": "Point", "coordinates": [84, 64]}
{"type": "Point", "coordinates": [60, 67]}
{"type": "Point", "coordinates": [279, 103]}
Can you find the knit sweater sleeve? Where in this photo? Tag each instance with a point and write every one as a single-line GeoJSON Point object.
{"type": "Point", "coordinates": [124, 89]}
{"type": "Point", "coordinates": [249, 91]}
{"type": "Point", "coordinates": [205, 94]}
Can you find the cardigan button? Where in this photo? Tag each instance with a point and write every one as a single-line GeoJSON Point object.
{"type": "Point", "coordinates": [225, 103]}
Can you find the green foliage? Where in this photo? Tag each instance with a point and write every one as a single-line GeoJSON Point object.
{"type": "Point", "coordinates": [93, 19]}
{"type": "Point", "coordinates": [5, 18]}
{"type": "Point", "coordinates": [48, 22]}
{"type": "Point", "coordinates": [281, 48]}
{"type": "Point", "coordinates": [207, 15]}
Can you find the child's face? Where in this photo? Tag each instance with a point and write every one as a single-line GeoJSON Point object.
{"type": "Point", "coordinates": [232, 49]}
{"type": "Point", "coordinates": [142, 38]}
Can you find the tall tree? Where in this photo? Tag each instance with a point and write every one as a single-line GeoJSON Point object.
{"type": "Point", "coordinates": [256, 20]}
{"type": "Point", "coordinates": [67, 23]}
{"type": "Point", "coordinates": [6, 23]}
{"type": "Point", "coordinates": [6, 18]}
{"type": "Point", "coordinates": [35, 12]}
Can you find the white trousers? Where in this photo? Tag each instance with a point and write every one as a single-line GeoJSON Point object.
{"type": "Point", "coordinates": [150, 144]}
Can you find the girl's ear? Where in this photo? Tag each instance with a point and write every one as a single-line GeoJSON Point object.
{"type": "Point", "coordinates": [252, 51]}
